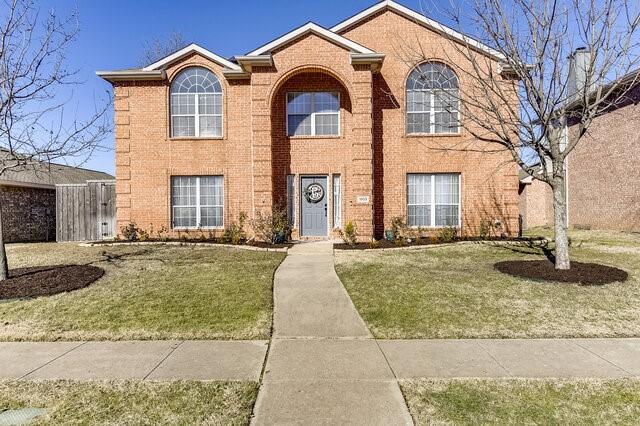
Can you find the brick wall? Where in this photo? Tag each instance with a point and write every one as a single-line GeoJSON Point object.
{"type": "Point", "coordinates": [604, 173]}
{"type": "Point", "coordinates": [254, 155]}
{"type": "Point", "coordinates": [489, 182]}
{"type": "Point", "coordinates": [28, 214]}
{"type": "Point", "coordinates": [536, 204]}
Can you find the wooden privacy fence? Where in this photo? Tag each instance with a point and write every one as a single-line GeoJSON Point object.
{"type": "Point", "coordinates": [86, 212]}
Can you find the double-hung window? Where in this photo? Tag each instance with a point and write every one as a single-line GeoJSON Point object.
{"type": "Point", "coordinates": [196, 104]}
{"type": "Point", "coordinates": [313, 114]}
{"type": "Point", "coordinates": [432, 100]}
{"type": "Point", "coordinates": [433, 200]}
{"type": "Point", "coordinates": [197, 201]}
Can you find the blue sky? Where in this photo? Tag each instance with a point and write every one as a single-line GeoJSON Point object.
{"type": "Point", "coordinates": [112, 34]}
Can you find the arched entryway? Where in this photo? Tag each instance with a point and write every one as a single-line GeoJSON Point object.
{"type": "Point", "coordinates": [311, 116]}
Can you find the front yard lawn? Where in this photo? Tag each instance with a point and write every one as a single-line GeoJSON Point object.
{"type": "Point", "coordinates": [133, 403]}
{"type": "Point", "coordinates": [455, 292]}
{"type": "Point", "coordinates": [147, 292]}
{"type": "Point", "coordinates": [517, 402]}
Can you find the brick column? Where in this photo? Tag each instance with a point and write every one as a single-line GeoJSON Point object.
{"type": "Point", "coordinates": [123, 157]}
{"type": "Point", "coordinates": [360, 178]}
{"type": "Point", "coordinates": [261, 142]}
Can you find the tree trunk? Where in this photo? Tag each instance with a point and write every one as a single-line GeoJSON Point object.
{"type": "Point", "coordinates": [4, 266]}
{"type": "Point", "coordinates": [560, 224]}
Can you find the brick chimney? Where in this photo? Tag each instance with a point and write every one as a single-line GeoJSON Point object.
{"type": "Point", "coordinates": [577, 83]}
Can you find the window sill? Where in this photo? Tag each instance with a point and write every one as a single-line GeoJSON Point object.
{"type": "Point", "coordinates": [202, 228]}
{"type": "Point", "coordinates": [432, 135]}
{"type": "Point", "coordinates": [315, 137]}
{"type": "Point", "coordinates": [192, 138]}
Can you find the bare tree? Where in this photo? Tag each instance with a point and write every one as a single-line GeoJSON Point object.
{"type": "Point", "coordinates": [553, 67]}
{"type": "Point", "coordinates": [33, 74]}
{"type": "Point", "coordinates": [160, 47]}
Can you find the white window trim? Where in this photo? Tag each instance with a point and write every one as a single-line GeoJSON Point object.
{"type": "Point", "coordinates": [432, 201]}
{"type": "Point", "coordinates": [313, 116]}
{"type": "Point", "coordinates": [197, 205]}
{"type": "Point", "coordinates": [336, 205]}
{"type": "Point", "coordinates": [432, 114]}
{"type": "Point", "coordinates": [291, 198]}
{"type": "Point", "coordinates": [197, 116]}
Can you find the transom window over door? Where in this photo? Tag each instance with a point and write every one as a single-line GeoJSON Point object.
{"type": "Point", "coordinates": [197, 201]}
{"type": "Point", "coordinates": [196, 104]}
{"type": "Point", "coordinates": [313, 114]}
{"type": "Point", "coordinates": [433, 100]}
{"type": "Point", "coordinates": [433, 200]}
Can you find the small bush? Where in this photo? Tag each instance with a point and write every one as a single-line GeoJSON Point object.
{"type": "Point", "coordinates": [273, 228]}
{"type": "Point", "coordinates": [350, 234]}
{"type": "Point", "coordinates": [448, 234]}
{"type": "Point", "coordinates": [132, 233]}
{"type": "Point", "coordinates": [235, 234]}
{"type": "Point", "coordinates": [399, 228]}
{"type": "Point", "coordinates": [374, 244]}
{"type": "Point", "coordinates": [485, 229]}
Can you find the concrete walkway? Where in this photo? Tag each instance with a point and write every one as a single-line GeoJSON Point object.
{"type": "Point", "coordinates": [323, 366]}
{"type": "Point", "coordinates": [145, 360]}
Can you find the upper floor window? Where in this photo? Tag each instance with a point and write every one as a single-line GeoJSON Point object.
{"type": "Point", "coordinates": [313, 114]}
{"type": "Point", "coordinates": [196, 104]}
{"type": "Point", "coordinates": [432, 100]}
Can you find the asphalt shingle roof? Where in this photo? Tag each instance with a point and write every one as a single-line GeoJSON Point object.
{"type": "Point", "coordinates": [49, 173]}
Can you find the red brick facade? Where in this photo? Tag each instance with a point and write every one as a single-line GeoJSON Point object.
{"type": "Point", "coordinates": [372, 154]}
{"type": "Point", "coordinates": [603, 172]}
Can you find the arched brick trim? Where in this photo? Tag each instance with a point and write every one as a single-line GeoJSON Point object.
{"type": "Point", "coordinates": [309, 69]}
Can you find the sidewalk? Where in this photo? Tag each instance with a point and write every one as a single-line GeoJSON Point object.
{"type": "Point", "coordinates": [142, 360]}
{"type": "Point", "coordinates": [341, 360]}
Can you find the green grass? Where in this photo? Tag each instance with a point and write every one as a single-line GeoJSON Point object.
{"type": "Point", "coordinates": [523, 402]}
{"type": "Point", "coordinates": [133, 403]}
{"type": "Point", "coordinates": [454, 292]}
{"type": "Point", "coordinates": [148, 292]}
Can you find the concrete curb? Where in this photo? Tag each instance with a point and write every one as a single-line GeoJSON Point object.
{"type": "Point", "coordinates": [186, 244]}
{"type": "Point", "coordinates": [432, 246]}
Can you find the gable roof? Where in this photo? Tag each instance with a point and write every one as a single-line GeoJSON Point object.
{"type": "Point", "coordinates": [419, 18]}
{"type": "Point", "coordinates": [47, 175]}
{"type": "Point", "coordinates": [311, 27]}
{"type": "Point", "coordinates": [192, 48]}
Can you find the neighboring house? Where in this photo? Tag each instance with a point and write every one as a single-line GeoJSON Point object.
{"type": "Point", "coordinates": [28, 199]}
{"type": "Point", "coordinates": [328, 123]}
{"type": "Point", "coordinates": [536, 202]}
{"type": "Point", "coordinates": [603, 172]}
{"type": "Point", "coordinates": [604, 169]}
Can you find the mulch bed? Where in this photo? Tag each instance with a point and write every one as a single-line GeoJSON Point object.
{"type": "Point", "coordinates": [260, 244]}
{"type": "Point", "coordinates": [46, 281]}
{"type": "Point", "coordinates": [544, 270]}
{"type": "Point", "coordinates": [382, 244]}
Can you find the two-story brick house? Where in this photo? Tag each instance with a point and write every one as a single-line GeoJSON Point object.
{"type": "Point", "coordinates": [331, 123]}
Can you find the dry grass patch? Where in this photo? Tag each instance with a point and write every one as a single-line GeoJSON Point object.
{"type": "Point", "coordinates": [133, 403]}
{"type": "Point", "coordinates": [518, 402]}
{"type": "Point", "coordinates": [147, 292]}
{"type": "Point", "coordinates": [455, 292]}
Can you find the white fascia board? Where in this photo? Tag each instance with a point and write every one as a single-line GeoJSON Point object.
{"type": "Point", "coordinates": [314, 28]}
{"type": "Point", "coordinates": [128, 75]}
{"type": "Point", "coordinates": [188, 50]}
{"type": "Point", "coordinates": [418, 17]}
{"type": "Point", "coordinates": [26, 184]}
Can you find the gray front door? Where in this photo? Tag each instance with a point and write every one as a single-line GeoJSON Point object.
{"type": "Point", "coordinates": [313, 193]}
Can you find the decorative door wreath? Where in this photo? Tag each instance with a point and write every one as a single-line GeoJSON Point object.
{"type": "Point", "coordinates": [314, 193]}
